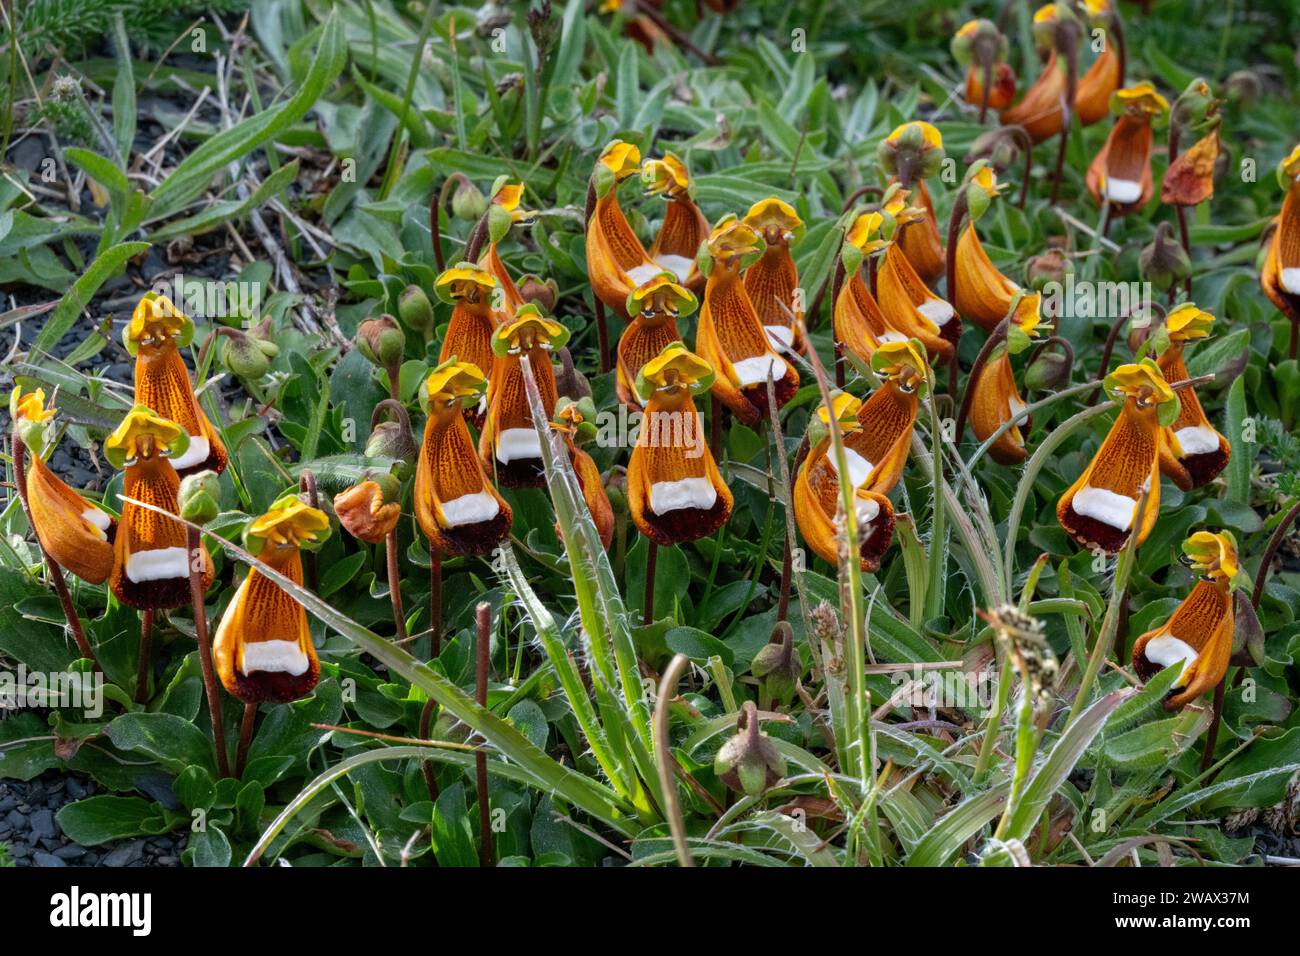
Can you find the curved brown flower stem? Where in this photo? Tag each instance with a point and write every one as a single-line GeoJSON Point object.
{"type": "Point", "coordinates": [399, 412]}
{"type": "Point", "coordinates": [665, 760]}
{"type": "Point", "coordinates": [1021, 136]}
{"type": "Point", "coordinates": [205, 655]}
{"type": "Point", "coordinates": [858, 194]}
{"type": "Point", "coordinates": [1212, 735]}
{"type": "Point", "coordinates": [482, 644]}
{"type": "Point", "coordinates": [646, 8]}
{"type": "Point", "coordinates": [998, 335]}
{"type": "Point", "coordinates": [478, 235]}
{"type": "Point", "coordinates": [1109, 347]}
{"type": "Point", "coordinates": [395, 587]}
{"type": "Point", "coordinates": [426, 723]}
{"type": "Point", "coordinates": [307, 486]}
{"type": "Point", "coordinates": [1121, 47]}
{"type": "Point", "coordinates": [602, 327]}
{"type": "Point", "coordinates": [651, 561]}
{"type": "Point", "coordinates": [984, 93]}
{"type": "Point", "coordinates": [1067, 108]}
{"type": "Point", "coordinates": [435, 210]}
{"type": "Point", "coordinates": [146, 646]}
{"type": "Point", "coordinates": [839, 365]}
{"type": "Point", "coordinates": [18, 449]}
{"type": "Point", "coordinates": [245, 738]}
{"type": "Point", "coordinates": [960, 207]}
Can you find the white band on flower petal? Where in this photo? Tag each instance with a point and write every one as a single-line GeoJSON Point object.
{"type": "Point", "coordinates": [515, 443]}
{"type": "Point", "coordinates": [1123, 190]}
{"type": "Point", "coordinates": [469, 509]}
{"type": "Point", "coordinates": [753, 371]}
{"type": "Point", "coordinates": [642, 274]}
{"type": "Point", "coordinates": [194, 455]}
{"type": "Point", "coordinates": [1197, 439]}
{"type": "Point", "coordinates": [1168, 650]}
{"type": "Point", "coordinates": [160, 564]}
{"type": "Point", "coordinates": [1290, 280]}
{"type": "Point", "coordinates": [781, 337]}
{"type": "Point", "coordinates": [1105, 506]}
{"type": "Point", "coordinates": [275, 657]}
{"type": "Point", "coordinates": [859, 468]}
{"type": "Point", "coordinates": [937, 311]}
{"type": "Point", "coordinates": [666, 496]}
{"type": "Point", "coordinates": [679, 266]}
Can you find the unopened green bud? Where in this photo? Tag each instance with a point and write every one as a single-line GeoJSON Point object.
{"type": "Point", "coordinates": [468, 202]}
{"type": "Point", "coordinates": [778, 667]}
{"type": "Point", "coordinates": [198, 497]}
{"type": "Point", "coordinates": [415, 310]}
{"type": "Point", "coordinates": [382, 341]}
{"type": "Point", "coordinates": [1164, 262]}
{"type": "Point", "coordinates": [749, 762]}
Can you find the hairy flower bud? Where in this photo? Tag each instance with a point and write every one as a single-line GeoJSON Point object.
{"type": "Point", "coordinates": [749, 762]}
{"type": "Point", "coordinates": [415, 310]}
{"type": "Point", "coordinates": [468, 202]}
{"type": "Point", "coordinates": [382, 341]}
{"type": "Point", "coordinates": [198, 497]}
{"type": "Point", "coordinates": [778, 667]}
{"type": "Point", "coordinates": [1164, 262]}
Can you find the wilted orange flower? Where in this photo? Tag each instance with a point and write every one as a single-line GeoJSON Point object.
{"type": "Point", "coordinates": [1190, 177]}
{"type": "Point", "coordinates": [1280, 276]}
{"type": "Point", "coordinates": [980, 291]}
{"type": "Point", "coordinates": [1199, 634]}
{"type": "Point", "coordinates": [1193, 452]}
{"type": "Point", "coordinates": [616, 261]}
{"type": "Point", "coordinates": [151, 568]}
{"type": "Point", "coordinates": [684, 226]}
{"type": "Point", "coordinates": [772, 280]}
{"type": "Point", "coordinates": [730, 337]}
{"type": "Point", "coordinates": [263, 648]}
{"type": "Point", "coordinates": [162, 382]}
{"type": "Point", "coordinates": [996, 399]}
{"type": "Point", "coordinates": [817, 498]}
{"type": "Point", "coordinates": [654, 308]}
{"type": "Point", "coordinates": [509, 442]}
{"type": "Point", "coordinates": [1121, 171]}
{"type": "Point", "coordinates": [470, 290]}
{"type": "Point", "coordinates": [364, 514]}
{"type": "Point", "coordinates": [674, 491]}
{"type": "Point", "coordinates": [1099, 509]}
{"type": "Point", "coordinates": [75, 533]}
{"type": "Point", "coordinates": [455, 505]}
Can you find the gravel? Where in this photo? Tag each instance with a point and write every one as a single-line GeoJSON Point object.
{"type": "Point", "coordinates": [31, 834]}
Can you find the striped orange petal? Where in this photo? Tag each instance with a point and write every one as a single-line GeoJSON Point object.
{"type": "Point", "coordinates": [1093, 92]}
{"type": "Point", "coordinates": [772, 280]}
{"type": "Point", "coordinates": [817, 501]}
{"type": "Point", "coordinates": [74, 533]}
{"type": "Point", "coordinates": [1193, 452]}
{"type": "Point", "coordinates": [674, 491]}
{"type": "Point", "coordinates": [731, 338]}
{"type": "Point", "coordinates": [859, 324]}
{"type": "Point", "coordinates": [1199, 635]}
{"type": "Point", "coordinates": [920, 239]}
{"type": "Point", "coordinates": [982, 293]}
{"type": "Point", "coordinates": [912, 310]}
{"type": "Point", "coordinates": [508, 444]}
{"type": "Point", "coordinates": [1280, 276]}
{"type": "Point", "coordinates": [996, 400]}
{"type": "Point", "coordinates": [654, 307]}
{"type": "Point", "coordinates": [880, 443]}
{"type": "Point", "coordinates": [593, 492]}
{"type": "Point", "coordinates": [162, 383]}
{"type": "Point", "coordinates": [1039, 112]}
{"type": "Point", "coordinates": [1098, 510]}
{"type": "Point", "coordinates": [263, 648]}
{"type": "Point", "coordinates": [616, 261]}
{"type": "Point", "coordinates": [1121, 170]}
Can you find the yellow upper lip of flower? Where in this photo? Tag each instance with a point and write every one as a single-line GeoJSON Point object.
{"type": "Point", "coordinates": [666, 283]}
{"type": "Point", "coordinates": [970, 28]}
{"type": "Point", "coordinates": [623, 159]}
{"type": "Point", "coordinates": [455, 380]}
{"type": "Point", "coordinates": [455, 278]}
{"type": "Point", "coordinates": [1212, 553]}
{"type": "Point", "coordinates": [732, 238]}
{"type": "Point", "coordinates": [508, 197]}
{"type": "Point", "coordinates": [1141, 380]}
{"type": "Point", "coordinates": [289, 522]}
{"type": "Point", "coordinates": [987, 180]}
{"type": "Point", "coordinates": [1291, 165]}
{"type": "Point", "coordinates": [529, 328]}
{"type": "Point", "coordinates": [1028, 314]}
{"type": "Point", "coordinates": [675, 365]}
{"type": "Point", "coordinates": [845, 407]}
{"type": "Point", "coordinates": [31, 407]}
{"type": "Point", "coordinates": [901, 362]}
{"type": "Point", "coordinates": [1188, 322]}
{"type": "Point", "coordinates": [929, 131]}
{"type": "Point", "coordinates": [865, 230]}
{"type": "Point", "coordinates": [155, 318]}
{"type": "Point", "coordinates": [667, 176]}
{"type": "Point", "coordinates": [1044, 13]}
{"type": "Point", "coordinates": [142, 430]}
{"type": "Point", "coordinates": [1142, 98]}
{"type": "Point", "coordinates": [1095, 7]}
{"type": "Point", "coordinates": [773, 213]}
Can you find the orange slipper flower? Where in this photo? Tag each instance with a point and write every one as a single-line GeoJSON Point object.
{"type": "Point", "coordinates": [996, 399]}
{"type": "Point", "coordinates": [909, 154]}
{"type": "Point", "coordinates": [859, 324]}
{"type": "Point", "coordinates": [772, 280]}
{"type": "Point", "coordinates": [509, 442]}
{"type": "Point", "coordinates": [151, 568]}
{"type": "Point", "coordinates": [262, 648]}
{"type": "Point", "coordinates": [913, 310]}
{"type": "Point", "coordinates": [655, 308]}
{"type": "Point", "coordinates": [1039, 110]}
{"type": "Point", "coordinates": [684, 226]}
{"type": "Point", "coordinates": [674, 491]}
{"type": "Point", "coordinates": [503, 213]}
{"type": "Point", "coordinates": [1199, 634]}
{"type": "Point", "coordinates": [364, 514]}
{"type": "Point", "coordinates": [470, 289]}
{"type": "Point", "coordinates": [1099, 509]}
{"type": "Point", "coordinates": [980, 291]}
{"type": "Point", "coordinates": [730, 337]}
{"type": "Point", "coordinates": [1280, 276]}
{"type": "Point", "coordinates": [616, 261]}
{"type": "Point", "coordinates": [75, 533]}
{"type": "Point", "coordinates": [817, 498]}
{"type": "Point", "coordinates": [982, 49]}
{"type": "Point", "coordinates": [575, 421]}
{"type": "Point", "coordinates": [162, 382]}
{"type": "Point", "coordinates": [1105, 76]}
{"type": "Point", "coordinates": [455, 505]}
{"type": "Point", "coordinates": [1120, 174]}
{"type": "Point", "coordinates": [1193, 452]}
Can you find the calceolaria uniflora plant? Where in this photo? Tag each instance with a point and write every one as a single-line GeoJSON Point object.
{"type": "Point", "coordinates": [604, 434]}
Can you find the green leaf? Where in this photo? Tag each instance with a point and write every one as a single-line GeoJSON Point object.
{"type": "Point", "coordinates": [123, 92]}
{"type": "Point", "coordinates": [947, 837]}
{"type": "Point", "coordinates": [209, 847]}
{"type": "Point", "coordinates": [697, 645]}
{"type": "Point", "coordinates": [107, 264]}
{"type": "Point", "coordinates": [1243, 453]}
{"type": "Point", "coordinates": [103, 818]}
{"type": "Point", "coordinates": [174, 742]}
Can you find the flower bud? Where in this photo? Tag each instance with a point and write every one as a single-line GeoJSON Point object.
{"type": "Point", "coordinates": [1164, 262]}
{"type": "Point", "coordinates": [246, 357]}
{"type": "Point", "coordinates": [392, 438]}
{"type": "Point", "coordinates": [616, 488]}
{"type": "Point", "coordinates": [468, 202]}
{"type": "Point", "coordinates": [382, 341]}
{"type": "Point", "coordinates": [1051, 266]}
{"type": "Point", "coordinates": [1048, 371]}
{"type": "Point", "coordinates": [415, 310]}
{"type": "Point", "coordinates": [749, 762]}
{"type": "Point", "coordinates": [778, 667]}
{"type": "Point", "coordinates": [543, 293]}
{"type": "Point", "coordinates": [364, 513]}
{"type": "Point", "coordinates": [998, 146]}
{"type": "Point", "coordinates": [1193, 106]}
{"type": "Point", "coordinates": [198, 497]}
{"type": "Point", "coordinates": [1243, 87]}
